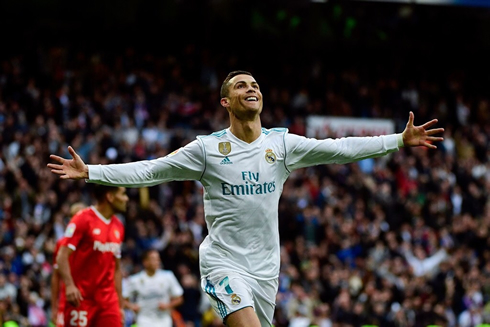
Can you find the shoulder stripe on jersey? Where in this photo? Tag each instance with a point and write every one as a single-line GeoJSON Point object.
{"type": "Point", "coordinates": [219, 134]}
{"type": "Point", "coordinates": [275, 129]}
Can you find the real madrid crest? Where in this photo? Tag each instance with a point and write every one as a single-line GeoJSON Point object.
{"type": "Point", "coordinates": [270, 157]}
{"type": "Point", "coordinates": [235, 299]}
{"type": "Point", "coordinates": [224, 148]}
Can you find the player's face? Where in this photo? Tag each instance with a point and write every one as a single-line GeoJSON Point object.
{"type": "Point", "coordinates": [119, 200]}
{"type": "Point", "coordinates": [244, 99]}
{"type": "Point", "coordinates": [152, 261]}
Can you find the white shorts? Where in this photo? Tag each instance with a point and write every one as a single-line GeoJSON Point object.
{"type": "Point", "coordinates": [152, 322]}
{"type": "Point", "coordinates": [231, 292]}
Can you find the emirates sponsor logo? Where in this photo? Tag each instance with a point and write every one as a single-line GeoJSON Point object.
{"type": "Point", "coordinates": [107, 247]}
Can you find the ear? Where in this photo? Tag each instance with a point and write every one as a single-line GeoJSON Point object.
{"type": "Point", "coordinates": [109, 196]}
{"type": "Point", "coordinates": [225, 102]}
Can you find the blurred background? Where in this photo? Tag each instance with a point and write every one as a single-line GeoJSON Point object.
{"type": "Point", "coordinates": [397, 241]}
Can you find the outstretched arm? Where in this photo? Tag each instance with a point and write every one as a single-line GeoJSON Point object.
{"type": "Point", "coordinates": [421, 135]}
{"type": "Point", "coordinates": [187, 163]}
{"type": "Point", "coordinates": [304, 152]}
{"type": "Point", "coordinates": [73, 168]}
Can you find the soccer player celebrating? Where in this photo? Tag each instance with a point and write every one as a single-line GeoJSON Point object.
{"type": "Point", "coordinates": [156, 292]}
{"type": "Point", "coordinates": [243, 169]}
{"type": "Point", "coordinates": [88, 261]}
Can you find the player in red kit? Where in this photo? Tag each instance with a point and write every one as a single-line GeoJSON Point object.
{"type": "Point", "coordinates": [88, 262]}
{"type": "Point", "coordinates": [57, 285]}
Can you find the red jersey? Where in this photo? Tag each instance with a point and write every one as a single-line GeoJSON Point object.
{"type": "Point", "coordinates": [95, 242]}
{"type": "Point", "coordinates": [61, 293]}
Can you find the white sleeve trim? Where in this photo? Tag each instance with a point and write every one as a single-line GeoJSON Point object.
{"type": "Point", "coordinates": [93, 173]}
{"type": "Point", "coordinates": [71, 246]}
{"type": "Point", "coordinates": [400, 140]}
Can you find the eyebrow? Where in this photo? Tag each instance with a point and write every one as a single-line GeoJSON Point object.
{"type": "Point", "coordinates": [244, 82]}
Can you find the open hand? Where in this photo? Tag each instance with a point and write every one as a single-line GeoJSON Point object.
{"type": "Point", "coordinates": [69, 168]}
{"type": "Point", "coordinates": [421, 135]}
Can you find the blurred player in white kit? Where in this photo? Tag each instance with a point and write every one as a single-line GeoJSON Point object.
{"type": "Point", "coordinates": [155, 292]}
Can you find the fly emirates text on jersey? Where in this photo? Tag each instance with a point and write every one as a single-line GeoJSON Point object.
{"type": "Point", "coordinates": [251, 186]}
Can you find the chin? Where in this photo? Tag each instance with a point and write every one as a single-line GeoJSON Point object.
{"type": "Point", "coordinates": [255, 109]}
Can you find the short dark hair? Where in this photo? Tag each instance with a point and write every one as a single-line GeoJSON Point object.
{"type": "Point", "coordinates": [225, 87]}
{"type": "Point", "coordinates": [99, 191]}
{"type": "Point", "coordinates": [147, 253]}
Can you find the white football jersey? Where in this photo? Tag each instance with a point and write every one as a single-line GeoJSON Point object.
{"type": "Point", "coordinates": [242, 185]}
{"type": "Point", "coordinates": [148, 292]}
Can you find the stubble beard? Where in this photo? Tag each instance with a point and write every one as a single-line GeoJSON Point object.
{"type": "Point", "coordinates": [247, 114]}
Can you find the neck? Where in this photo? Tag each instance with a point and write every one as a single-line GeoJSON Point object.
{"type": "Point", "coordinates": [247, 131]}
{"type": "Point", "coordinates": [150, 272]}
{"type": "Point", "coordinates": [105, 211]}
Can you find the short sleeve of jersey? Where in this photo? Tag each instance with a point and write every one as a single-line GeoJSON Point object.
{"type": "Point", "coordinates": [175, 289]}
{"type": "Point", "coordinates": [75, 232]}
{"type": "Point", "coordinates": [303, 152]}
{"type": "Point", "coordinates": [186, 163]}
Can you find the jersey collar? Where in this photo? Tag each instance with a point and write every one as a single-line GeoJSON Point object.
{"type": "Point", "coordinates": [241, 141]}
{"type": "Point", "coordinates": [99, 215]}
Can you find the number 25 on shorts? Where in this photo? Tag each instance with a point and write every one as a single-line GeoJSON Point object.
{"type": "Point", "coordinates": [78, 318]}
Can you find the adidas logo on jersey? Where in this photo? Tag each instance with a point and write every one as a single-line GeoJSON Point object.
{"type": "Point", "coordinates": [226, 161]}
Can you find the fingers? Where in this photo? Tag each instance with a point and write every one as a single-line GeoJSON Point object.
{"type": "Point", "coordinates": [434, 131]}
{"type": "Point", "coordinates": [410, 118]}
{"type": "Point", "coordinates": [431, 146]}
{"type": "Point", "coordinates": [74, 300]}
{"type": "Point", "coordinates": [57, 158]}
{"type": "Point", "coordinates": [78, 299]}
{"type": "Point", "coordinates": [429, 123]}
{"type": "Point", "coordinates": [58, 171]}
{"type": "Point", "coordinates": [61, 160]}
{"type": "Point", "coordinates": [55, 166]}
{"type": "Point", "coordinates": [435, 139]}
{"type": "Point", "coordinates": [73, 153]}
{"type": "Point", "coordinates": [74, 297]}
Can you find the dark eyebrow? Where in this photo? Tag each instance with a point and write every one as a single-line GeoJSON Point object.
{"type": "Point", "coordinates": [244, 82]}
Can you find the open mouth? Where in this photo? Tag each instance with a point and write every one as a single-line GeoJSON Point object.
{"type": "Point", "coordinates": [252, 99]}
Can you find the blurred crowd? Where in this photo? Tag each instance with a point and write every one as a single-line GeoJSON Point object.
{"type": "Point", "coordinates": [396, 241]}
